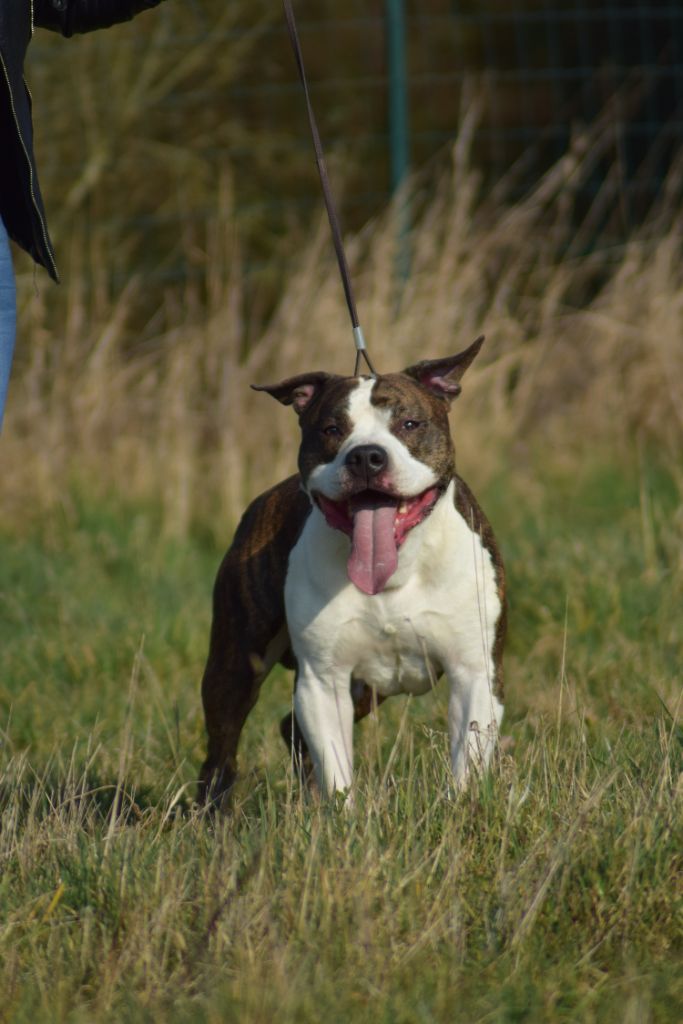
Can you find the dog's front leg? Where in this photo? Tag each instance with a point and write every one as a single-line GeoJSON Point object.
{"type": "Point", "coordinates": [324, 710]}
{"type": "Point", "coordinates": [474, 716]}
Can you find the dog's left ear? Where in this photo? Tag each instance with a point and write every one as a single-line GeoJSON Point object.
{"type": "Point", "coordinates": [443, 376]}
{"type": "Point", "coordinates": [296, 391]}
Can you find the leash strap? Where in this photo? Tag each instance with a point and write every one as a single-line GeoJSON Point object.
{"type": "Point", "coordinates": [359, 340]}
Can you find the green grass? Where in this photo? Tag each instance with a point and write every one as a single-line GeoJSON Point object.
{"type": "Point", "coordinates": [550, 891]}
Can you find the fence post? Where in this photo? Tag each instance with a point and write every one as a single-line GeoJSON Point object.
{"type": "Point", "coordinates": [398, 91]}
{"type": "Point", "coordinates": [398, 123]}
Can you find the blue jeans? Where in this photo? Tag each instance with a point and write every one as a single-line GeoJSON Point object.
{"type": "Point", "coordinates": [8, 316]}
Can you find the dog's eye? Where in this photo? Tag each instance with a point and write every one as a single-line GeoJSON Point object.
{"type": "Point", "coordinates": [331, 430]}
{"type": "Point", "coordinates": [411, 424]}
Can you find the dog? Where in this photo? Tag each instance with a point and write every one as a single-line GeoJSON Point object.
{"type": "Point", "coordinates": [371, 572]}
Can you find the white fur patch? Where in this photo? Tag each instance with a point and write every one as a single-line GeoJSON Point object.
{"type": "Point", "coordinates": [370, 425]}
{"type": "Point", "coordinates": [436, 616]}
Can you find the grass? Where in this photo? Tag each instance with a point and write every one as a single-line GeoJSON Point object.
{"type": "Point", "coordinates": [580, 345]}
{"type": "Point", "coordinates": [550, 891]}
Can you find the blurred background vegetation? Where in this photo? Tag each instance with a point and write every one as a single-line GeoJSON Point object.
{"type": "Point", "coordinates": [543, 208]}
{"type": "Point", "coordinates": [138, 126]}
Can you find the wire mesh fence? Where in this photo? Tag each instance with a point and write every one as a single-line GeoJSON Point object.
{"type": "Point", "coordinates": [218, 101]}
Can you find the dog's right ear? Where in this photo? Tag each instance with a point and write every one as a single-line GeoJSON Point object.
{"type": "Point", "coordinates": [296, 391]}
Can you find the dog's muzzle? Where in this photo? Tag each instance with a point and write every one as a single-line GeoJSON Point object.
{"type": "Point", "coordinates": [377, 524]}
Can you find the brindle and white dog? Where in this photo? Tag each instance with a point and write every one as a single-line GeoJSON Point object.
{"type": "Point", "coordinates": [372, 572]}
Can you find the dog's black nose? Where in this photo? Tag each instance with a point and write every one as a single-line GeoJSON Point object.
{"type": "Point", "coordinates": [366, 460]}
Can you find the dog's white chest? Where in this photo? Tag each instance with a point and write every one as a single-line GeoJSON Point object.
{"type": "Point", "coordinates": [441, 602]}
{"type": "Point", "coordinates": [398, 651]}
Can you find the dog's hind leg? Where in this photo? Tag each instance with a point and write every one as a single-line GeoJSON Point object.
{"type": "Point", "coordinates": [248, 631]}
{"type": "Point", "coordinates": [230, 689]}
{"type": "Point", "coordinates": [365, 699]}
{"type": "Point", "coordinates": [228, 696]}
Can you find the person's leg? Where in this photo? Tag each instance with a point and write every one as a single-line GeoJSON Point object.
{"type": "Point", "coordinates": [8, 316]}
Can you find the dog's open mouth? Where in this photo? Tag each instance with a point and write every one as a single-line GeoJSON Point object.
{"type": "Point", "coordinates": [377, 524]}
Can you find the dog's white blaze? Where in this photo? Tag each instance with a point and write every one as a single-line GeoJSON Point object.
{"type": "Point", "coordinates": [436, 616]}
{"type": "Point", "coordinates": [370, 425]}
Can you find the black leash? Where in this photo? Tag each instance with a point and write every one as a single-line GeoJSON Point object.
{"type": "Point", "coordinates": [359, 340]}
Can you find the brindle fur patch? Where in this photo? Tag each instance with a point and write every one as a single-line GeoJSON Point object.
{"type": "Point", "coordinates": [430, 441]}
{"type": "Point", "coordinates": [248, 612]}
{"type": "Point", "coordinates": [327, 408]}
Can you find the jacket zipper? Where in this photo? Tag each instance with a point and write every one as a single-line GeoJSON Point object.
{"type": "Point", "coordinates": [36, 208]}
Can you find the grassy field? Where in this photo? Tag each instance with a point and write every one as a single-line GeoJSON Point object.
{"type": "Point", "coordinates": [550, 890]}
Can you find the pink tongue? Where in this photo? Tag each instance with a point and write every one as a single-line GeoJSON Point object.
{"type": "Point", "coordinates": [374, 556]}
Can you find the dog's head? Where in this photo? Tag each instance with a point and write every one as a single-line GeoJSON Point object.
{"type": "Point", "coordinates": [376, 453]}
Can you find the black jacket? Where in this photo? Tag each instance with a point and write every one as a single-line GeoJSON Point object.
{"type": "Point", "coordinates": [21, 204]}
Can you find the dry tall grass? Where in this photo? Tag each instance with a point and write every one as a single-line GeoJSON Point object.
{"type": "Point", "coordinates": [146, 391]}
{"type": "Point", "coordinates": [547, 891]}
{"type": "Point", "coordinates": [582, 348]}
